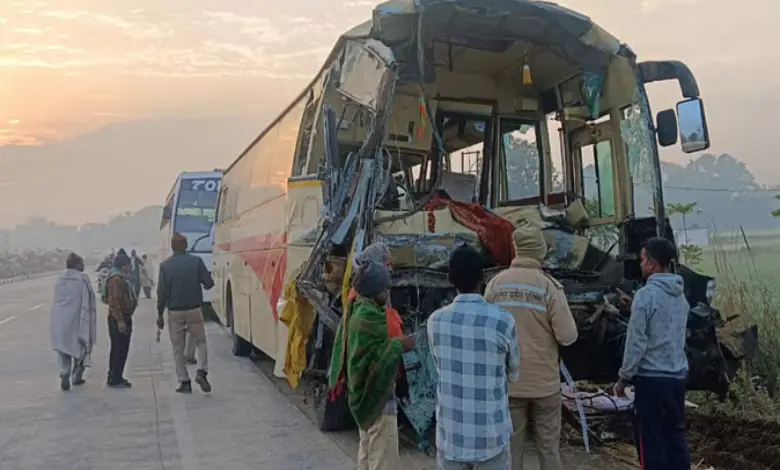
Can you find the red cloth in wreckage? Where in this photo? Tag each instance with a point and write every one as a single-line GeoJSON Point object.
{"type": "Point", "coordinates": [494, 232]}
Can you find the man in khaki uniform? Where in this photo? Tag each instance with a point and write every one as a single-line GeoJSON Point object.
{"type": "Point", "coordinates": [544, 322]}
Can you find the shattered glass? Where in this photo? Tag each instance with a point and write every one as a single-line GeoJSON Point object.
{"type": "Point", "coordinates": [637, 133]}
{"type": "Point", "coordinates": [422, 377]}
{"type": "Point", "coordinates": [362, 73]}
{"type": "Point", "coordinates": [592, 84]}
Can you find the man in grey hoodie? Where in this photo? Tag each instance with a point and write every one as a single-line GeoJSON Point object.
{"type": "Point", "coordinates": [654, 361]}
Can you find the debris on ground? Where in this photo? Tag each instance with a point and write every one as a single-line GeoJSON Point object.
{"type": "Point", "coordinates": [726, 442]}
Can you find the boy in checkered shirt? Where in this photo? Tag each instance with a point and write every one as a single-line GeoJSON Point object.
{"type": "Point", "coordinates": [475, 349]}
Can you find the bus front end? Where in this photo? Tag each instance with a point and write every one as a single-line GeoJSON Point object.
{"type": "Point", "coordinates": [194, 218]}
{"type": "Point", "coordinates": [526, 109]}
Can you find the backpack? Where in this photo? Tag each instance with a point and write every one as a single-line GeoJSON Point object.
{"type": "Point", "coordinates": [104, 290]}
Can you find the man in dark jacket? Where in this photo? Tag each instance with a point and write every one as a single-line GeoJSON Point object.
{"type": "Point", "coordinates": [179, 290]}
{"type": "Point", "coordinates": [121, 299]}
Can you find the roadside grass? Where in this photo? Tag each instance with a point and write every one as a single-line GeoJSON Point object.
{"type": "Point", "coordinates": [748, 284]}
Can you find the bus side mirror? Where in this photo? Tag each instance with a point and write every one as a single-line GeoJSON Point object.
{"type": "Point", "coordinates": [693, 125]}
{"type": "Point", "coordinates": [666, 125]}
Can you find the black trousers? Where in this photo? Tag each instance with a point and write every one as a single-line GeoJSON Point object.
{"type": "Point", "coordinates": [120, 346]}
{"type": "Point", "coordinates": [661, 439]}
{"type": "Point", "coordinates": [148, 292]}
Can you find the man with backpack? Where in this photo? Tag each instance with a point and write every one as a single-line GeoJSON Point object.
{"type": "Point", "coordinates": [119, 294]}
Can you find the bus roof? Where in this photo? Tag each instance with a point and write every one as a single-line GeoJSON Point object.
{"type": "Point", "coordinates": [200, 174]}
{"type": "Point", "coordinates": [395, 22]}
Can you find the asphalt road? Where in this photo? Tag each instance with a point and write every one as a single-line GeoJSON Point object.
{"type": "Point", "coordinates": [245, 423]}
{"type": "Point", "coordinates": [251, 420]}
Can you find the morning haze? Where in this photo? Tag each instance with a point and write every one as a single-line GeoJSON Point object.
{"type": "Point", "coordinates": [103, 103]}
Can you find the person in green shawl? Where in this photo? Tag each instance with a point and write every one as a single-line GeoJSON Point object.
{"type": "Point", "coordinates": [365, 364]}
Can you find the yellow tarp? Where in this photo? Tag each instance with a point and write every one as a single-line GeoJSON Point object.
{"type": "Point", "coordinates": [346, 285]}
{"type": "Point", "coordinates": [298, 314]}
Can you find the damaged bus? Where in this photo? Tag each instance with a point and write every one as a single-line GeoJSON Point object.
{"type": "Point", "coordinates": [442, 122]}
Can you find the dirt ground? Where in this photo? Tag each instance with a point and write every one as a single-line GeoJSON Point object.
{"type": "Point", "coordinates": [723, 442]}
{"type": "Point", "coordinates": [726, 442]}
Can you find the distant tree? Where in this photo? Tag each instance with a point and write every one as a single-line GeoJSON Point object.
{"type": "Point", "coordinates": [522, 165]}
{"type": "Point", "coordinates": [129, 229]}
{"type": "Point", "coordinates": [691, 254]}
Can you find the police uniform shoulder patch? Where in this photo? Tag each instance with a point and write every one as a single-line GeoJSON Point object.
{"type": "Point", "coordinates": [554, 281]}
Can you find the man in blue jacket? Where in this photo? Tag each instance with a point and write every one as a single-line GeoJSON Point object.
{"type": "Point", "coordinates": [654, 361]}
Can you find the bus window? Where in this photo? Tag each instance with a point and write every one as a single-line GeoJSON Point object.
{"type": "Point", "coordinates": [222, 214]}
{"type": "Point", "coordinates": [197, 206]}
{"type": "Point", "coordinates": [597, 183]}
{"type": "Point", "coordinates": [519, 160]}
{"type": "Point", "coordinates": [167, 212]}
{"type": "Point", "coordinates": [307, 130]}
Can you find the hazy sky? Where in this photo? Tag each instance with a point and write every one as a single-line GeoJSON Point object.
{"type": "Point", "coordinates": [69, 68]}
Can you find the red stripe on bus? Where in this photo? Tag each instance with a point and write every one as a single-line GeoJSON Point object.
{"type": "Point", "coordinates": [267, 256]}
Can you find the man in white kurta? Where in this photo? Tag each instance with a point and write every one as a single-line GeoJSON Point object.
{"type": "Point", "coordinates": [73, 322]}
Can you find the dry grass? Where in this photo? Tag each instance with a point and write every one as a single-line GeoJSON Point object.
{"type": "Point", "coordinates": [748, 286]}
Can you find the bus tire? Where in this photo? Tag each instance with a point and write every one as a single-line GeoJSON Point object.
{"type": "Point", "coordinates": [241, 347]}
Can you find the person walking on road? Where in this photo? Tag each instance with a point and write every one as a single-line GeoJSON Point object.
{"type": "Point", "coordinates": [119, 294]}
{"type": "Point", "coordinates": [73, 321]}
{"type": "Point", "coordinates": [190, 350]}
{"type": "Point", "coordinates": [179, 290]}
{"type": "Point", "coordinates": [365, 364]}
{"type": "Point", "coordinates": [135, 274]}
{"type": "Point", "coordinates": [544, 323]}
{"type": "Point", "coordinates": [654, 360]}
{"type": "Point", "coordinates": [147, 276]}
{"type": "Point", "coordinates": [474, 347]}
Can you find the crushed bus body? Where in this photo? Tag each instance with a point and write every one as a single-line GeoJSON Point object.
{"type": "Point", "coordinates": [446, 122]}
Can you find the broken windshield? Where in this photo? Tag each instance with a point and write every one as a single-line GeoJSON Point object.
{"type": "Point", "coordinates": [635, 128]}
{"type": "Point", "coordinates": [520, 158]}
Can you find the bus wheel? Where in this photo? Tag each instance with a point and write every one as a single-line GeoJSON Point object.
{"type": "Point", "coordinates": [241, 347]}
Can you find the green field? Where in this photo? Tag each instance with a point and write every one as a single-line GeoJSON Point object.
{"type": "Point", "coordinates": [748, 284]}
{"type": "Point", "coordinates": [735, 241]}
{"type": "Point", "coordinates": [760, 263]}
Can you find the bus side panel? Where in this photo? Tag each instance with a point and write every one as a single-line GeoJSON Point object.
{"type": "Point", "coordinates": [256, 235]}
{"type": "Point", "coordinates": [166, 224]}
{"type": "Point", "coordinates": [278, 164]}
{"type": "Point", "coordinates": [304, 199]}
{"type": "Point", "coordinates": [228, 265]}
{"type": "Point", "coordinates": [220, 282]}
{"type": "Point", "coordinates": [268, 264]}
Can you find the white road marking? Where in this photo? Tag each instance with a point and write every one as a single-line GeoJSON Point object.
{"type": "Point", "coordinates": [7, 319]}
{"type": "Point", "coordinates": [36, 307]}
